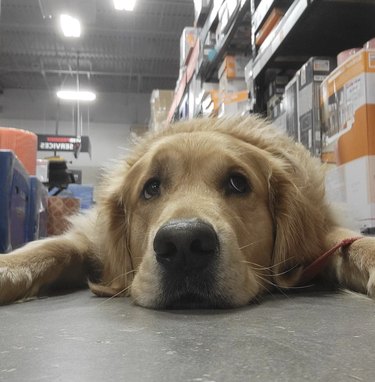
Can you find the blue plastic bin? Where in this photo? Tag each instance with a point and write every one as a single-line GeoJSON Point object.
{"type": "Point", "coordinates": [14, 201]}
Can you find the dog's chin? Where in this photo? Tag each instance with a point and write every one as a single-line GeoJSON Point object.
{"type": "Point", "coordinates": [194, 301]}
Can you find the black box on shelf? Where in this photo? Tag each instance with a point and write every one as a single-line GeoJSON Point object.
{"type": "Point", "coordinates": [310, 77]}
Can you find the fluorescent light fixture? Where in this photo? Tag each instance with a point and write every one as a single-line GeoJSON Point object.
{"type": "Point", "coordinates": [74, 95]}
{"type": "Point", "coordinates": [71, 27]}
{"type": "Point", "coordinates": [124, 5]}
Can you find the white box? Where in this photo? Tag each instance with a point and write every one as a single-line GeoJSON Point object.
{"type": "Point", "coordinates": [353, 185]}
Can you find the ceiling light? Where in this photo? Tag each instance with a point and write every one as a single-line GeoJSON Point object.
{"type": "Point", "coordinates": [124, 5]}
{"type": "Point", "coordinates": [71, 27]}
{"type": "Point", "coordinates": [74, 95]}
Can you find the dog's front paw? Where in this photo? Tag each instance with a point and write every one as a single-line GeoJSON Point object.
{"type": "Point", "coordinates": [15, 283]}
{"type": "Point", "coordinates": [371, 284]}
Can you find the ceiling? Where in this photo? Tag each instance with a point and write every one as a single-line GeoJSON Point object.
{"type": "Point", "coordinates": [118, 51]}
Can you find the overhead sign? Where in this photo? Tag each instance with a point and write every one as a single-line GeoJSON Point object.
{"type": "Point", "coordinates": [64, 143]}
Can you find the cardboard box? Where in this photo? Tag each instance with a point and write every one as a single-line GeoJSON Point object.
{"type": "Point", "coordinates": [310, 77]}
{"type": "Point", "coordinates": [291, 108]}
{"type": "Point", "coordinates": [348, 108]}
{"type": "Point", "coordinates": [233, 67]}
{"type": "Point", "coordinates": [352, 186]}
{"type": "Point", "coordinates": [277, 86]}
{"type": "Point", "coordinates": [232, 84]}
{"type": "Point", "coordinates": [160, 102]}
{"type": "Point", "coordinates": [272, 20]}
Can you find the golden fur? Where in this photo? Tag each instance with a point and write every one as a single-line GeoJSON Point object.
{"type": "Point", "coordinates": [265, 236]}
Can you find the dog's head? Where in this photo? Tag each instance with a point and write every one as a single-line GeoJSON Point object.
{"type": "Point", "coordinates": [205, 214]}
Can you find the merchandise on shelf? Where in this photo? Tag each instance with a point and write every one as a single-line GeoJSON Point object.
{"type": "Point", "coordinates": [310, 77]}
{"type": "Point", "coordinates": [160, 101]}
{"type": "Point", "coordinates": [233, 93]}
{"type": "Point", "coordinates": [277, 86]}
{"type": "Point", "coordinates": [370, 44]}
{"type": "Point", "coordinates": [188, 39]}
{"type": "Point", "coordinates": [233, 67]}
{"type": "Point", "coordinates": [272, 20]}
{"type": "Point", "coordinates": [344, 55]}
{"type": "Point", "coordinates": [234, 103]}
{"type": "Point", "coordinates": [348, 108]}
{"type": "Point", "coordinates": [291, 108]}
{"type": "Point", "coordinates": [348, 118]}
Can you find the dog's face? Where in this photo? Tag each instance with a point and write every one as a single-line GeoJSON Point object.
{"type": "Point", "coordinates": [200, 228]}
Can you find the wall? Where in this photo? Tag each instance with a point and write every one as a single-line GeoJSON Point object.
{"type": "Point", "coordinates": [108, 122]}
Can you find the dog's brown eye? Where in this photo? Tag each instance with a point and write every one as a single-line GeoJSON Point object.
{"type": "Point", "coordinates": [151, 189]}
{"type": "Point", "coordinates": [237, 184]}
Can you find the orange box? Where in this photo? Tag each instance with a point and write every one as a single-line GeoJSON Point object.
{"type": "Point", "coordinates": [348, 108]}
{"type": "Point", "coordinates": [233, 67]}
{"type": "Point", "coordinates": [272, 20]}
{"type": "Point", "coordinates": [348, 119]}
{"type": "Point", "coordinates": [23, 143]}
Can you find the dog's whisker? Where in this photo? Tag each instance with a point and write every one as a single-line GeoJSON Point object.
{"type": "Point", "coordinates": [259, 267]}
{"type": "Point", "coordinates": [114, 296]}
{"type": "Point", "coordinates": [119, 276]}
{"type": "Point", "coordinates": [250, 244]}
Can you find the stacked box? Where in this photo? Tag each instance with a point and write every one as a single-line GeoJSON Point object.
{"type": "Point", "coordinates": [160, 101]}
{"type": "Point", "coordinates": [310, 77]}
{"type": "Point", "coordinates": [233, 67]}
{"type": "Point", "coordinates": [234, 98]}
{"type": "Point", "coordinates": [291, 108]}
{"type": "Point", "coordinates": [348, 119]}
{"type": "Point", "coordinates": [14, 202]}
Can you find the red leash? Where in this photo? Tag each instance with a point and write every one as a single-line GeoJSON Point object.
{"type": "Point", "coordinates": [316, 266]}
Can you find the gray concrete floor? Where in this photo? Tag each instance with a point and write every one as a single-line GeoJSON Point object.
{"type": "Point", "coordinates": [78, 337]}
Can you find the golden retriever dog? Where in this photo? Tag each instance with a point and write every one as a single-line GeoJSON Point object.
{"type": "Point", "coordinates": [206, 213]}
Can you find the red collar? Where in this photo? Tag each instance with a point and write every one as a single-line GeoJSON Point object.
{"type": "Point", "coordinates": [316, 266]}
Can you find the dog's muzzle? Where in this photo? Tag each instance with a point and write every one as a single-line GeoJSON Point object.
{"type": "Point", "coordinates": [185, 246]}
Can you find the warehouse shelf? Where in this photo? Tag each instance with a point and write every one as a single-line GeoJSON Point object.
{"type": "Point", "coordinates": [311, 28]}
{"type": "Point", "coordinates": [264, 8]}
{"type": "Point", "coordinates": [320, 27]}
{"type": "Point", "coordinates": [209, 71]}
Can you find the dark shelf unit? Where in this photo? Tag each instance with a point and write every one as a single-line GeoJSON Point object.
{"type": "Point", "coordinates": [311, 28]}
{"type": "Point", "coordinates": [208, 71]}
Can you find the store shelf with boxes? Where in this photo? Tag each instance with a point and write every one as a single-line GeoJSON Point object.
{"type": "Point", "coordinates": [311, 74]}
{"type": "Point", "coordinates": [213, 55]}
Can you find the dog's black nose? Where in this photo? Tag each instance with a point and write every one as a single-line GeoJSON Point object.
{"type": "Point", "coordinates": [183, 245]}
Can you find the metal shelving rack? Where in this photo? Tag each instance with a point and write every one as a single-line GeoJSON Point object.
{"type": "Point", "coordinates": [308, 28]}
{"type": "Point", "coordinates": [208, 70]}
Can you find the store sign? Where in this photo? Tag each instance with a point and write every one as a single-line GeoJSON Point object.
{"type": "Point", "coordinates": [58, 143]}
{"type": "Point", "coordinates": [64, 143]}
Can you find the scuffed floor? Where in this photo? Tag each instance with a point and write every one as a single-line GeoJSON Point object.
{"type": "Point", "coordinates": [78, 337]}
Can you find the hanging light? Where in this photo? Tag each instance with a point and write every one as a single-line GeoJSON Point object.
{"type": "Point", "coordinates": [124, 5]}
{"type": "Point", "coordinates": [70, 26]}
{"type": "Point", "coordinates": [76, 95]}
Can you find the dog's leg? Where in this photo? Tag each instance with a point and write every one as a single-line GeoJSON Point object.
{"type": "Point", "coordinates": [65, 260]}
{"type": "Point", "coordinates": [353, 266]}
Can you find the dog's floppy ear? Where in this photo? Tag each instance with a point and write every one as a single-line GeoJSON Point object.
{"type": "Point", "coordinates": [117, 272]}
{"type": "Point", "coordinates": [296, 217]}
